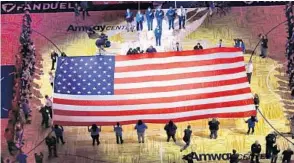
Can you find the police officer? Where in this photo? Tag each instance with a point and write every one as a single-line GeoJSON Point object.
{"type": "Point", "coordinates": [171, 15]}
{"type": "Point", "coordinates": [51, 144]}
{"type": "Point", "coordinates": [255, 151]}
{"type": "Point", "coordinates": [45, 116]}
{"type": "Point", "coordinates": [129, 19]}
{"type": "Point", "coordinates": [159, 14]}
{"type": "Point", "coordinates": [213, 127]}
{"type": "Point", "coordinates": [149, 16]}
{"type": "Point", "coordinates": [139, 21]}
{"type": "Point", "coordinates": [270, 141]}
{"type": "Point", "coordinates": [157, 33]}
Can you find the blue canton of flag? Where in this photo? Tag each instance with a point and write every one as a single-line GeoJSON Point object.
{"type": "Point", "coordinates": [92, 75]}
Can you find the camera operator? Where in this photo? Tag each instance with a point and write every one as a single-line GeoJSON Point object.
{"type": "Point", "coordinates": [102, 42]}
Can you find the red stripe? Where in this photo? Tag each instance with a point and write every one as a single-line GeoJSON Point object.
{"type": "Point", "coordinates": [161, 66]}
{"type": "Point", "coordinates": [151, 100]}
{"type": "Point", "coordinates": [220, 115]}
{"type": "Point", "coordinates": [181, 87]}
{"type": "Point", "coordinates": [153, 111]}
{"type": "Point", "coordinates": [178, 76]}
{"type": "Point", "coordinates": [181, 53]}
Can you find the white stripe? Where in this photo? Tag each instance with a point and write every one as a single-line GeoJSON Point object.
{"type": "Point", "coordinates": [177, 70]}
{"type": "Point", "coordinates": [152, 116]}
{"type": "Point", "coordinates": [177, 59]}
{"type": "Point", "coordinates": [179, 81]}
{"type": "Point", "coordinates": [152, 95]}
{"type": "Point", "coordinates": [155, 105]}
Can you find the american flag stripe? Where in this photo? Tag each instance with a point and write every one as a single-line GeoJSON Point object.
{"type": "Point", "coordinates": [147, 107]}
{"type": "Point", "coordinates": [180, 76]}
{"type": "Point", "coordinates": [178, 82]}
{"type": "Point", "coordinates": [151, 100]}
{"type": "Point", "coordinates": [162, 86]}
{"type": "Point", "coordinates": [183, 87]}
{"type": "Point", "coordinates": [64, 121]}
{"type": "Point", "coordinates": [160, 56]}
{"type": "Point", "coordinates": [153, 111]}
{"type": "Point", "coordinates": [144, 96]}
{"type": "Point", "coordinates": [166, 117]}
{"type": "Point", "coordinates": [178, 64]}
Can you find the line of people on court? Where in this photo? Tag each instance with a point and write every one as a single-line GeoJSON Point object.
{"type": "Point", "coordinates": [158, 14]}
{"type": "Point", "coordinates": [141, 127]}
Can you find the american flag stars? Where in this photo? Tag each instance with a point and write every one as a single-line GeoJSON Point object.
{"type": "Point", "coordinates": [85, 75]}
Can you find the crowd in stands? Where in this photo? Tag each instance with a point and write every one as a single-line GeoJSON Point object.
{"type": "Point", "coordinates": [20, 111]}
{"type": "Point", "coordinates": [290, 46]}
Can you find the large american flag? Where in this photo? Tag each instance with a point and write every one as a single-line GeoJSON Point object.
{"type": "Point", "coordinates": [156, 88]}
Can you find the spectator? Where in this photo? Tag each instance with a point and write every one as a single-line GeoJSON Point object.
{"type": "Point", "coordinates": [275, 151]}
{"type": "Point", "coordinates": [118, 133]}
{"type": "Point", "coordinates": [94, 130]}
{"type": "Point", "coordinates": [234, 157]}
{"type": "Point", "coordinates": [27, 17]}
{"type": "Point", "coordinates": [220, 43]}
{"type": "Point", "coordinates": [177, 47]}
{"type": "Point", "coordinates": [187, 137]}
{"type": "Point", "coordinates": [198, 47]}
{"type": "Point", "coordinates": [249, 70]}
{"type": "Point", "coordinates": [170, 129]}
{"type": "Point", "coordinates": [84, 5]}
{"type": "Point", "coordinates": [51, 79]}
{"type": "Point", "coordinates": [255, 151]}
{"type": "Point", "coordinates": [256, 101]}
{"type": "Point", "coordinates": [242, 46]}
{"type": "Point", "coordinates": [51, 144]}
{"type": "Point", "coordinates": [48, 105]}
{"type": "Point", "coordinates": [159, 14]}
{"type": "Point", "coordinates": [54, 56]}
{"type": "Point", "coordinates": [77, 10]}
{"type": "Point", "coordinates": [171, 15]}
{"type": "Point", "coordinates": [58, 133]}
{"type": "Point", "coordinates": [287, 154]}
{"type": "Point", "coordinates": [263, 46]}
{"type": "Point", "coordinates": [270, 141]}
{"type": "Point", "coordinates": [139, 20]}
{"type": "Point", "coordinates": [182, 17]}
{"type": "Point", "coordinates": [21, 157]}
{"type": "Point", "coordinates": [251, 124]}
{"type": "Point", "coordinates": [26, 109]}
{"type": "Point", "coordinates": [213, 127]}
{"type": "Point", "coordinates": [141, 127]}
{"type": "Point", "coordinates": [149, 16]}
{"type": "Point", "coordinates": [129, 19]}
{"type": "Point", "coordinates": [292, 126]}
{"type": "Point", "coordinates": [151, 49]}
{"type": "Point", "coordinates": [39, 157]}
{"type": "Point", "coordinates": [10, 140]}
{"type": "Point", "coordinates": [157, 33]}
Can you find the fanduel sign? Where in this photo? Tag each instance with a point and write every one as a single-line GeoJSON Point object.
{"type": "Point", "coordinates": [20, 7]}
{"type": "Point", "coordinates": [100, 28]}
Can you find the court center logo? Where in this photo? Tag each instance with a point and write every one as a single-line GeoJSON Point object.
{"type": "Point", "coordinates": [98, 28]}
{"type": "Point", "coordinates": [8, 7]}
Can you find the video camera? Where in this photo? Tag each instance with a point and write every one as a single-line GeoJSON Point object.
{"type": "Point", "coordinates": [103, 42]}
